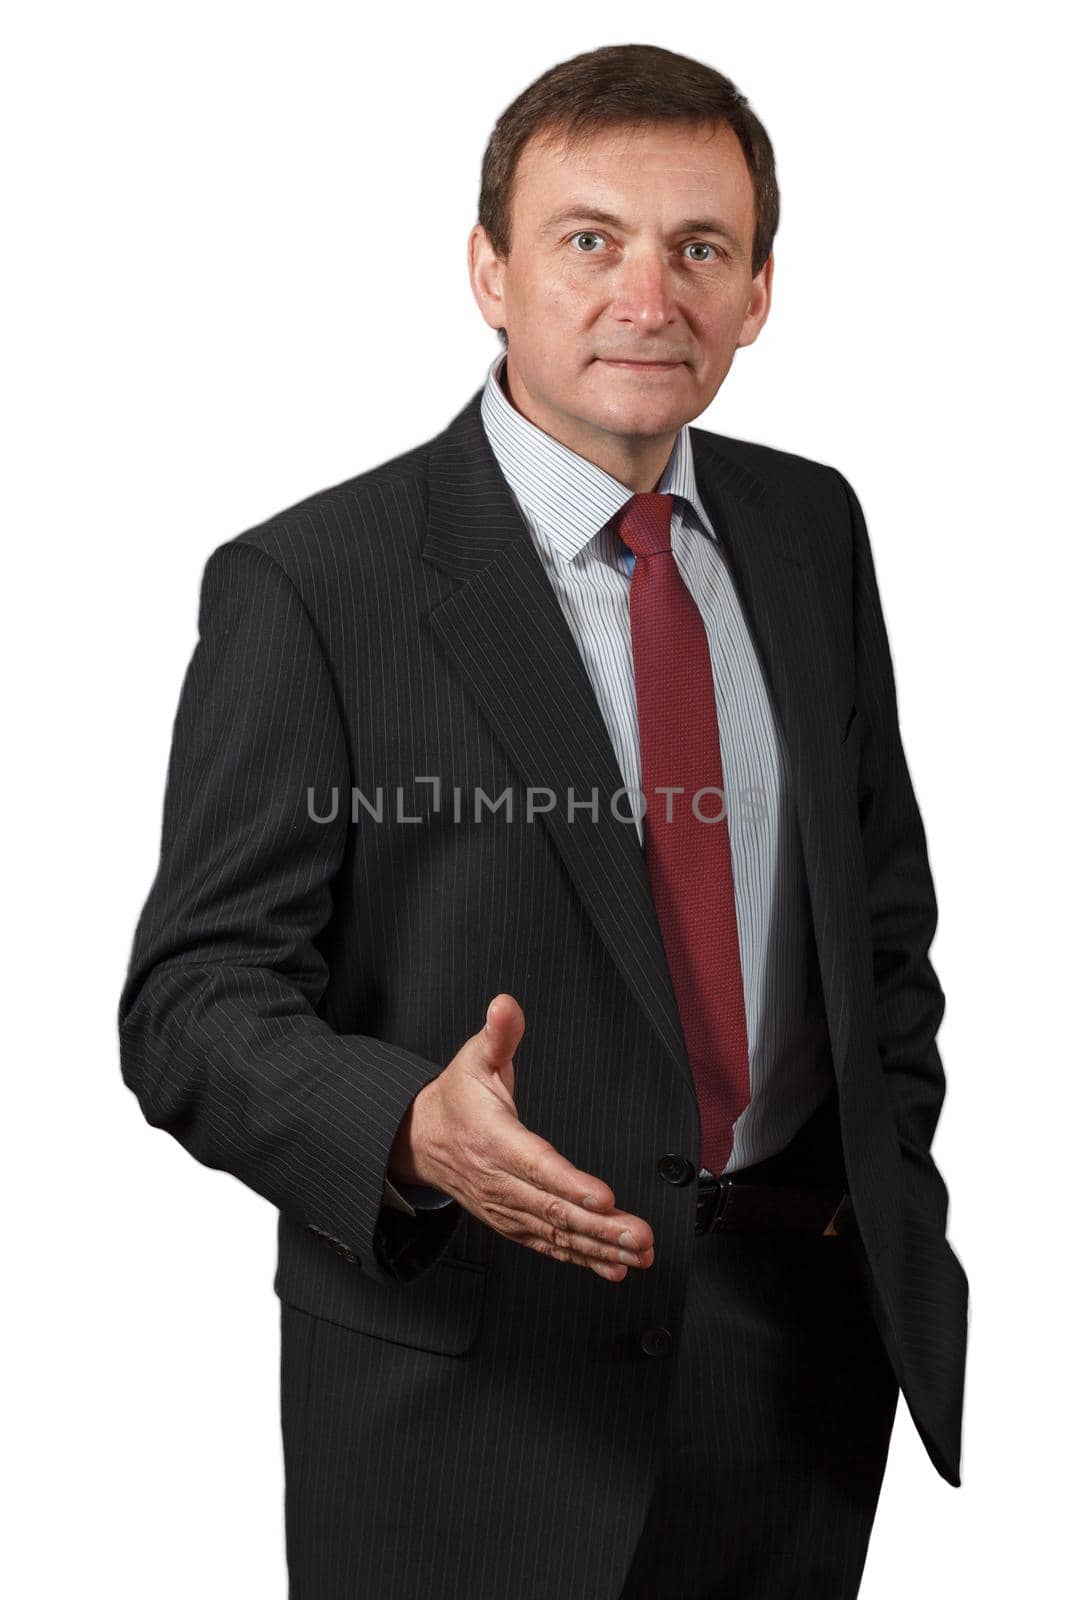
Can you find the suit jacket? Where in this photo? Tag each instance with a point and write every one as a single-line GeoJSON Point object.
{"type": "Point", "coordinates": [296, 978]}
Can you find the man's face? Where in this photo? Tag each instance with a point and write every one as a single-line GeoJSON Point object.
{"type": "Point", "coordinates": [637, 249]}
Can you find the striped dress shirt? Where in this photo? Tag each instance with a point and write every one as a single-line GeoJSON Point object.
{"type": "Point", "coordinates": [566, 503]}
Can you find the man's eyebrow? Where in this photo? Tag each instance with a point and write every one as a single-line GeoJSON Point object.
{"type": "Point", "coordinates": [580, 213]}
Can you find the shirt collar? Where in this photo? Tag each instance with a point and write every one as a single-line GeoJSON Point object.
{"type": "Point", "coordinates": [569, 497]}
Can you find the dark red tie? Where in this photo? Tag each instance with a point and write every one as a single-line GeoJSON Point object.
{"type": "Point", "coordinates": [687, 859]}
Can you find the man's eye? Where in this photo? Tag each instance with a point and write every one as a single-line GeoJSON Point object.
{"type": "Point", "coordinates": [585, 242]}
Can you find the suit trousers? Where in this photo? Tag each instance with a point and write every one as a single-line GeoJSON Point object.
{"type": "Point", "coordinates": [780, 1418]}
{"type": "Point", "coordinates": [771, 1460]}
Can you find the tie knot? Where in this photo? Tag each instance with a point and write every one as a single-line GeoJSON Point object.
{"type": "Point", "coordinates": [645, 524]}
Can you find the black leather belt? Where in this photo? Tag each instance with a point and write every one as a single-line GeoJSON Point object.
{"type": "Point", "coordinates": [724, 1206]}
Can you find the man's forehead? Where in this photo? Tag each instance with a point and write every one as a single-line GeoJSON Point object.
{"type": "Point", "coordinates": [604, 174]}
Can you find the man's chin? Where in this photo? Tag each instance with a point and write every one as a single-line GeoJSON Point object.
{"type": "Point", "coordinates": [639, 420]}
{"type": "Point", "coordinates": [627, 403]}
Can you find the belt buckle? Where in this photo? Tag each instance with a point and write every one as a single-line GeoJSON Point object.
{"type": "Point", "coordinates": [713, 1201]}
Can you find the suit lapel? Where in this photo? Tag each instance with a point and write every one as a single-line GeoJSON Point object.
{"type": "Point", "coordinates": [505, 633]}
{"type": "Point", "coordinates": [768, 548]}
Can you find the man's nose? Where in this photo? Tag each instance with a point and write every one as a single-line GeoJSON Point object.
{"type": "Point", "coordinates": [645, 294]}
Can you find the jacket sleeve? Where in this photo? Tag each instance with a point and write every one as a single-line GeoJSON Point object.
{"type": "Point", "coordinates": [219, 1035]}
{"type": "Point", "coordinates": [902, 906]}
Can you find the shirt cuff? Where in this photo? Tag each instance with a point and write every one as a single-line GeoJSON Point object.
{"type": "Point", "coordinates": [414, 1197]}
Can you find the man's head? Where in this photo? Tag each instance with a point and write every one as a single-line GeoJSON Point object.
{"type": "Point", "coordinates": [627, 213]}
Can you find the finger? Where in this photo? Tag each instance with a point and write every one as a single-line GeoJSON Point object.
{"type": "Point", "coordinates": [494, 1197]}
{"type": "Point", "coordinates": [559, 1192]}
{"type": "Point", "coordinates": [571, 1229]}
{"type": "Point", "coordinates": [504, 1027]}
{"type": "Point", "coordinates": [613, 1274]}
{"type": "Point", "coordinates": [536, 1162]}
{"type": "Point", "coordinates": [497, 1207]}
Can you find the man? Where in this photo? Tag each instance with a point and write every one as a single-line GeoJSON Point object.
{"type": "Point", "coordinates": [542, 886]}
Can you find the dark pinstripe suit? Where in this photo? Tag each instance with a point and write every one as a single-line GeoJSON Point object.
{"type": "Point", "coordinates": [487, 1416]}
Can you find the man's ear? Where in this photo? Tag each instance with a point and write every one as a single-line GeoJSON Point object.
{"type": "Point", "coordinates": [759, 303]}
{"type": "Point", "coordinates": [487, 277]}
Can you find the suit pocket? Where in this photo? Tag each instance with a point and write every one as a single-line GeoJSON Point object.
{"type": "Point", "coordinates": [851, 746]}
{"type": "Point", "coordinates": [297, 1353]}
{"type": "Point", "coordinates": [440, 1310]}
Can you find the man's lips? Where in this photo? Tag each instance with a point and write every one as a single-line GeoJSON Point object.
{"type": "Point", "coordinates": [630, 361]}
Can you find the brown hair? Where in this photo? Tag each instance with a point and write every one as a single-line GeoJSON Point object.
{"type": "Point", "coordinates": [623, 85]}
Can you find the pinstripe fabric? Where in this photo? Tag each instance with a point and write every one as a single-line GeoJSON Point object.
{"type": "Point", "coordinates": [567, 503]}
{"type": "Point", "coordinates": [296, 978]}
{"type": "Point", "coordinates": [777, 1431]}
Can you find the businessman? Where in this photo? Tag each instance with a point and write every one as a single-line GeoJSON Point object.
{"type": "Point", "coordinates": [542, 925]}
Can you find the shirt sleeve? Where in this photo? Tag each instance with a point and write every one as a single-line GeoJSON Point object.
{"type": "Point", "coordinates": [413, 1197]}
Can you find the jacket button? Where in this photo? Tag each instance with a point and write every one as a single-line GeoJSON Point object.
{"type": "Point", "coordinates": [656, 1341]}
{"type": "Point", "coordinates": [676, 1169]}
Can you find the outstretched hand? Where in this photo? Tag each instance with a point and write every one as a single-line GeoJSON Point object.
{"type": "Point", "coordinates": [462, 1135]}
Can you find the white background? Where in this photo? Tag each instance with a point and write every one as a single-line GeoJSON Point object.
{"type": "Point", "coordinates": [235, 273]}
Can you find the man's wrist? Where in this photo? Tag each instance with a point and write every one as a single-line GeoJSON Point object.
{"type": "Point", "coordinates": [402, 1167]}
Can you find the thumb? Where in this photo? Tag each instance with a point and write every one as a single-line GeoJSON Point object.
{"type": "Point", "coordinates": [499, 1039]}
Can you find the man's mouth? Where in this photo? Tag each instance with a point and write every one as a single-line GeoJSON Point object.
{"type": "Point", "coordinates": [653, 366]}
